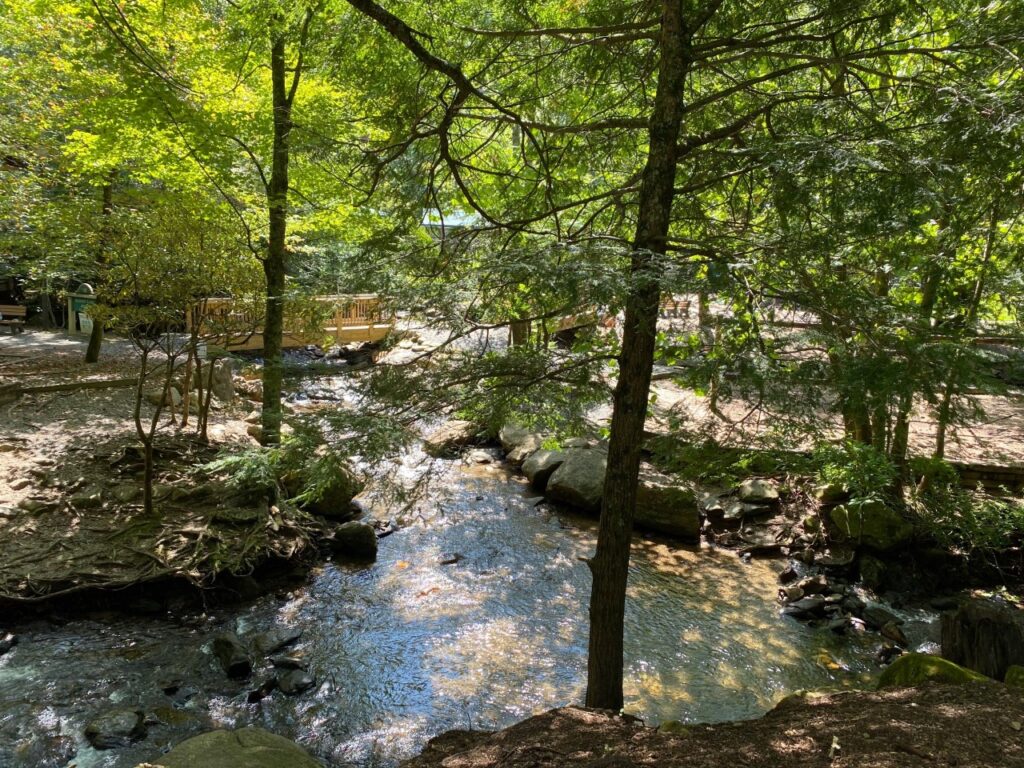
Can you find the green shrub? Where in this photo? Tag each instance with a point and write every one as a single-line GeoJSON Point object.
{"type": "Point", "coordinates": [966, 520]}
{"type": "Point", "coordinates": [867, 472]}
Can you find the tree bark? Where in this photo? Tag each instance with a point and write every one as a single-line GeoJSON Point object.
{"type": "Point", "coordinates": [610, 564]}
{"type": "Point", "coordinates": [275, 262]}
{"type": "Point", "coordinates": [92, 352]}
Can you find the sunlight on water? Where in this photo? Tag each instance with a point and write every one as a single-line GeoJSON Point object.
{"type": "Point", "coordinates": [410, 647]}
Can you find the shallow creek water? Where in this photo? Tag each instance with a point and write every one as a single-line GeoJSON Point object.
{"type": "Point", "coordinates": [409, 647]}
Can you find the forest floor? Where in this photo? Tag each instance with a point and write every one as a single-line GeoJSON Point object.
{"type": "Point", "coordinates": [70, 490]}
{"type": "Point", "coordinates": [976, 725]}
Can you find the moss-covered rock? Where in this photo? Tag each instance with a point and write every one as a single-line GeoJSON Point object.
{"type": "Point", "coordinates": [244, 748]}
{"type": "Point", "coordinates": [871, 523]}
{"type": "Point", "coordinates": [915, 668]}
{"type": "Point", "coordinates": [326, 486]}
{"type": "Point", "coordinates": [1015, 676]}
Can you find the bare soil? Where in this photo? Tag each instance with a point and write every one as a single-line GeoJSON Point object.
{"type": "Point", "coordinates": [969, 726]}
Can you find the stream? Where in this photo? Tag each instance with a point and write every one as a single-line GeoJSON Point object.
{"type": "Point", "coordinates": [410, 646]}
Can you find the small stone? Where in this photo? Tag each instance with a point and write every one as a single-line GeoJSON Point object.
{"type": "Point", "coordinates": [288, 661]}
{"type": "Point", "coordinates": [7, 642]}
{"type": "Point", "coordinates": [790, 574]}
{"type": "Point", "coordinates": [894, 633]}
{"type": "Point", "coordinates": [813, 585]}
{"type": "Point", "coordinates": [758, 490]}
{"type": "Point", "coordinates": [265, 689]}
{"type": "Point", "coordinates": [22, 484]}
{"type": "Point", "coordinates": [790, 593]}
{"type": "Point", "coordinates": [805, 607]}
{"type": "Point", "coordinates": [295, 681]}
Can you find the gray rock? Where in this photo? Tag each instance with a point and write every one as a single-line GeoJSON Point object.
{"type": "Point", "coordinates": [805, 607]}
{"type": "Point", "coordinates": [478, 457]}
{"type": "Point", "coordinates": [232, 655]}
{"type": "Point", "coordinates": [512, 435]}
{"type": "Point", "coordinates": [356, 540]}
{"type": "Point", "coordinates": [666, 506]}
{"type": "Point", "coordinates": [877, 617]}
{"type": "Point", "coordinates": [541, 465]}
{"type": "Point", "coordinates": [295, 681]}
{"type": "Point", "coordinates": [579, 481]}
{"type": "Point", "coordinates": [223, 384]}
{"type": "Point", "coordinates": [273, 640]}
{"type": "Point", "coordinates": [519, 442]}
{"type": "Point", "coordinates": [243, 748]}
{"type": "Point", "coordinates": [525, 449]}
{"type": "Point", "coordinates": [449, 438]}
{"type": "Point", "coordinates": [116, 728]}
{"type": "Point", "coordinates": [577, 442]}
{"type": "Point", "coordinates": [757, 490]}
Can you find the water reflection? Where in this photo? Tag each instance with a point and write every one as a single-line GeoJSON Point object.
{"type": "Point", "coordinates": [411, 646]}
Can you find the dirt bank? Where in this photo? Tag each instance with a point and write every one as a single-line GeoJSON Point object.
{"type": "Point", "coordinates": [970, 726]}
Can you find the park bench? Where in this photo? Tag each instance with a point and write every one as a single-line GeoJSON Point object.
{"type": "Point", "coordinates": [673, 306]}
{"type": "Point", "coordinates": [13, 316]}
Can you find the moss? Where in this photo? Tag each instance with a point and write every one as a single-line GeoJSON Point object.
{"type": "Point", "coordinates": [915, 668]}
{"type": "Point", "coordinates": [1015, 676]}
{"type": "Point", "coordinates": [871, 523]}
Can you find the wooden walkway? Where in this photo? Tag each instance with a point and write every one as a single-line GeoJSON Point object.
{"type": "Point", "coordinates": [341, 319]}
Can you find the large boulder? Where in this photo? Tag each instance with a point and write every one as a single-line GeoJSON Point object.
{"type": "Point", "coordinates": [116, 728]}
{"type": "Point", "coordinates": [663, 505]}
{"type": "Point", "coordinates": [984, 635]}
{"type": "Point", "coordinates": [447, 439]}
{"type": "Point", "coordinates": [541, 465]}
{"type": "Point", "coordinates": [913, 669]}
{"type": "Point", "coordinates": [872, 524]}
{"type": "Point", "coordinates": [355, 540]}
{"type": "Point", "coordinates": [223, 382]}
{"type": "Point", "coordinates": [579, 481]}
{"type": "Point", "coordinates": [243, 748]}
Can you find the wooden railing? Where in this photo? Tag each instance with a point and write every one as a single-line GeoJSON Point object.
{"type": "Point", "coordinates": [238, 325]}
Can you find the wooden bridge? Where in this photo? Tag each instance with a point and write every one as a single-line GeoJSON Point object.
{"type": "Point", "coordinates": [237, 325]}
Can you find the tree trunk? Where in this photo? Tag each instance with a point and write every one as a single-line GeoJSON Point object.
{"type": "Point", "coordinates": [274, 265]}
{"type": "Point", "coordinates": [92, 352]}
{"type": "Point", "coordinates": [611, 562]}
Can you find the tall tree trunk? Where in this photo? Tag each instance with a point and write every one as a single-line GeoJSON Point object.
{"type": "Point", "coordinates": [274, 265]}
{"type": "Point", "coordinates": [610, 564]}
{"type": "Point", "coordinates": [92, 352]}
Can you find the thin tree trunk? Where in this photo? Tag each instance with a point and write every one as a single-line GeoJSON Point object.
{"type": "Point", "coordinates": [274, 265]}
{"type": "Point", "coordinates": [92, 352]}
{"type": "Point", "coordinates": [611, 562]}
